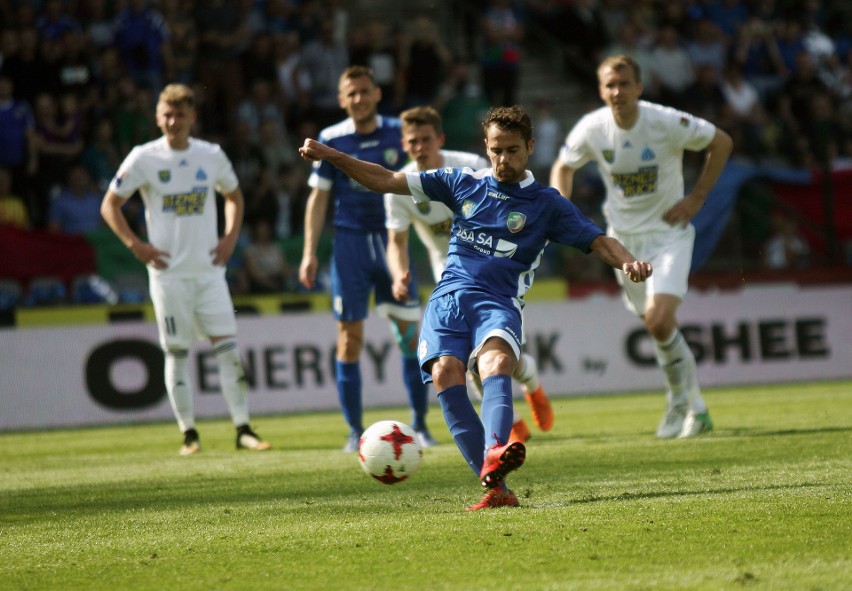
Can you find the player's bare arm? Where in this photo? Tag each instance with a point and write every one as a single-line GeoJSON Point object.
{"type": "Point", "coordinates": [147, 253]}
{"type": "Point", "coordinates": [717, 154]}
{"type": "Point", "coordinates": [374, 177]}
{"type": "Point", "coordinates": [315, 211]}
{"type": "Point", "coordinates": [562, 178]}
{"type": "Point", "coordinates": [234, 208]}
{"type": "Point", "coordinates": [399, 263]}
{"type": "Point", "coordinates": [613, 253]}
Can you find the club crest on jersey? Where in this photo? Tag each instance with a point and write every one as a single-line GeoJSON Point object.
{"type": "Point", "coordinates": [391, 156]}
{"type": "Point", "coordinates": [648, 154]}
{"type": "Point", "coordinates": [165, 176]}
{"type": "Point", "coordinates": [467, 208]}
{"type": "Point", "coordinates": [609, 155]}
{"type": "Point", "coordinates": [515, 222]}
{"type": "Point", "coordinates": [424, 207]}
{"type": "Point", "coordinates": [201, 175]}
{"type": "Point", "coordinates": [684, 122]}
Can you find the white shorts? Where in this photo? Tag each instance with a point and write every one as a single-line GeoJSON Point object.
{"type": "Point", "coordinates": [190, 308]}
{"type": "Point", "coordinates": [670, 254]}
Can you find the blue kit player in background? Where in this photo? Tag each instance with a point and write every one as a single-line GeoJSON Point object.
{"type": "Point", "coordinates": [503, 221]}
{"type": "Point", "coordinates": [359, 265]}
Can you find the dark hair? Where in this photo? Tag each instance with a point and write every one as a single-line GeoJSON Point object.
{"type": "Point", "coordinates": [422, 116]}
{"type": "Point", "coordinates": [512, 118]}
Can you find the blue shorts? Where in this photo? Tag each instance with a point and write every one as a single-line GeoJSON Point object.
{"type": "Point", "coordinates": [458, 324]}
{"type": "Point", "coordinates": [359, 266]}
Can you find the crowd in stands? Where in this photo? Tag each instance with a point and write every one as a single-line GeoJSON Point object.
{"type": "Point", "coordinates": [79, 80]}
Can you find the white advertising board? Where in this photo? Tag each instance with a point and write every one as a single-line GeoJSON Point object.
{"type": "Point", "coordinates": [93, 375]}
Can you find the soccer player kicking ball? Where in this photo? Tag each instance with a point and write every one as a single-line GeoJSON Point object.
{"type": "Point", "coordinates": [178, 176]}
{"type": "Point", "coordinates": [503, 221]}
{"type": "Point", "coordinates": [423, 140]}
{"type": "Point", "coordinates": [638, 147]}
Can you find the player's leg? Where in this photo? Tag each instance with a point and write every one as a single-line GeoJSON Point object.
{"type": "Point", "coordinates": [526, 372]}
{"type": "Point", "coordinates": [520, 430]}
{"type": "Point", "coordinates": [351, 284]}
{"type": "Point", "coordinates": [215, 319]}
{"type": "Point", "coordinates": [172, 301]}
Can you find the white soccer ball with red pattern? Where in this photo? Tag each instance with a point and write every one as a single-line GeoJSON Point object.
{"type": "Point", "coordinates": [389, 451]}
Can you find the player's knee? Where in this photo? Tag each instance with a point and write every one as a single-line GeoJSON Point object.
{"type": "Point", "coordinates": [447, 372]}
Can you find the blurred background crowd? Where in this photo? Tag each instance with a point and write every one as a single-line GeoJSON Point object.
{"type": "Point", "coordinates": [79, 81]}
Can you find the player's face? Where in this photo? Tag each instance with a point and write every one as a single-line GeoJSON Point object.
{"type": "Point", "coordinates": [620, 90]}
{"type": "Point", "coordinates": [359, 97]}
{"type": "Point", "coordinates": [508, 153]}
{"type": "Point", "coordinates": [423, 145]}
{"type": "Point", "coordinates": [175, 121]}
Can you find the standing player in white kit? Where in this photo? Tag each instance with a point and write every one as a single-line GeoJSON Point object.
{"type": "Point", "coordinates": [178, 176]}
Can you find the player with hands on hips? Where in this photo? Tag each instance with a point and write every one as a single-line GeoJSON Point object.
{"type": "Point", "coordinates": [638, 147]}
{"type": "Point", "coordinates": [178, 176]}
{"type": "Point", "coordinates": [423, 140]}
{"type": "Point", "coordinates": [503, 221]}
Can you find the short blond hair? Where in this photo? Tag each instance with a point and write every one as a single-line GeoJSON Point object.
{"type": "Point", "coordinates": [177, 95]}
{"type": "Point", "coordinates": [621, 62]}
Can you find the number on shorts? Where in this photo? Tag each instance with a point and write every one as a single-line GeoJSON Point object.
{"type": "Point", "coordinates": [171, 328]}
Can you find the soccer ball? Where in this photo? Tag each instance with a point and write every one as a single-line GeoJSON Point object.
{"type": "Point", "coordinates": [389, 451]}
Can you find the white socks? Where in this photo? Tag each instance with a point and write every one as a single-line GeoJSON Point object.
{"type": "Point", "coordinates": [233, 381]}
{"type": "Point", "coordinates": [678, 364]}
{"type": "Point", "coordinates": [177, 386]}
{"type": "Point", "coordinates": [526, 372]}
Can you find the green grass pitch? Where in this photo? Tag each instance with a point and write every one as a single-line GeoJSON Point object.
{"type": "Point", "coordinates": [764, 502]}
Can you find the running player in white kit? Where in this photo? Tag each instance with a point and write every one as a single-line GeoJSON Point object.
{"type": "Point", "coordinates": [178, 176]}
{"type": "Point", "coordinates": [638, 147]}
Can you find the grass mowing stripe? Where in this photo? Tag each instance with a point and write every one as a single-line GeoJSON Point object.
{"type": "Point", "coordinates": [761, 503]}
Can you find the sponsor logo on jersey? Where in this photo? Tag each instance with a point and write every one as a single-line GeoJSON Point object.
{"type": "Point", "coordinates": [641, 182]}
{"type": "Point", "coordinates": [497, 195]}
{"type": "Point", "coordinates": [391, 156]}
{"type": "Point", "coordinates": [201, 175]}
{"type": "Point", "coordinates": [467, 207]}
{"type": "Point", "coordinates": [515, 222]}
{"type": "Point", "coordinates": [165, 176]}
{"type": "Point", "coordinates": [648, 154]}
{"type": "Point", "coordinates": [609, 155]}
{"type": "Point", "coordinates": [185, 204]}
{"type": "Point", "coordinates": [505, 249]}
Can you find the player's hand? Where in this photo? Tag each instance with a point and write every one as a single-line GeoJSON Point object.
{"type": "Point", "coordinates": [400, 287]}
{"type": "Point", "coordinates": [223, 251]}
{"type": "Point", "coordinates": [683, 211]}
{"type": "Point", "coordinates": [312, 150]}
{"type": "Point", "coordinates": [637, 271]}
{"type": "Point", "coordinates": [150, 255]}
{"type": "Point", "coordinates": [308, 271]}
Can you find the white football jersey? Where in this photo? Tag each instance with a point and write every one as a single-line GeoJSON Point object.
{"type": "Point", "coordinates": [432, 220]}
{"type": "Point", "coordinates": [641, 167]}
{"type": "Point", "coordinates": [179, 188]}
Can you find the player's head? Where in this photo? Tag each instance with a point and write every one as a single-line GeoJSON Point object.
{"type": "Point", "coordinates": [358, 94]}
{"type": "Point", "coordinates": [508, 142]}
{"type": "Point", "coordinates": [176, 114]}
{"type": "Point", "coordinates": [620, 84]}
{"type": "Point", "coordinates": [423, 136]}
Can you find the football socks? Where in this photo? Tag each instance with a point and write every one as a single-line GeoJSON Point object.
{"type": "Point", "coordinates": [232, 380]}
{"type": "Point", "coordinates": [497, 413]}
{"type": "Point", "coordinates": [349, 392]}
{"type": "Point", "coordinates": [177, 386]}
{"type": "Point", "coordinates": [464, 425]}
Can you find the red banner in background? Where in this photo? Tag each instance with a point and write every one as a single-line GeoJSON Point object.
{"type": "Point", "coordinates": [28, 254]}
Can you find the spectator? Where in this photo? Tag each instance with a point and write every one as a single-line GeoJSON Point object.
{"type": "Point", "coordinates": [13, 210]}
{"type": "Point", "coordinates": [757, 52]}
{"type": "Point", "coordinates": [100, 156]}
{"type": "Point", "coordinates": [53, 22]}
{"type": "Point", "coordinates": [671, 68]}
{"type": "Point", "coordinates": [268, 270]}
{"type": "Point", "coordinates": [24, 66]}
{"type": "Point", "coordinates": [183, 40]}
{"type": "Point", "coordinates": [260, 106]}
{"type": "Point", "coordinates": [460, 102]}
{"type": "Point", "coordinates": [292, 80]}
{"type": "Point", "coordinates": [704, 97]}
{"type": "Point", "coordinates": [322, 61]}
{"type": "Point", "coordinates": [247, 160]}
{"type": "Point", "coordinates": [371, 46]}
{"type": "Point", "coordinates": [98, 26]}
{"type": "Point", "coordinates": [132, 115]}
{"type": "Point", "coordinates": [258, 62]}
{"type": "Point", "coordinates": [795, 109]}
{"type": "Point", "coordinates": [275, 145]}
{"type": "Point", "coordinates": [77, 207]}
{"type": "Point", "coordinates": [18, 138]}
{"type": "Point", "coordinates": [786, 248]}
{"type": "Point", "coordinates": [143, 42]}
{"type": "Point", "coordinates": [503, 32]}
{"type": "Point", "coordinates": [708, 47]}
{"type": "Point", "coordinates": [743, 108]}
{"type": "Point", "coordinates": [426, 63]}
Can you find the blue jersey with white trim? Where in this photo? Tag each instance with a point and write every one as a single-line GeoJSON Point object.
{"type": "Point", "coordinates": [356, 207]}
{"type": "Point", "coordinates": [500, 230]}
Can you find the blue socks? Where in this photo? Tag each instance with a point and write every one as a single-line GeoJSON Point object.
{"type": "Point", "coordinates": [349, 392]}
{"type": "Point", "coordinates": [464, 424]}
{"type": "Point", "coordinates": [418, 392]}
{"type": "Point", "coordinates": [497, 411]}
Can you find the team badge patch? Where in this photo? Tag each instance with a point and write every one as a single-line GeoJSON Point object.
{"type": "Point", "coordinates": [467, 208]}
{"type": "Point", "coordinates": [165, 176]}
{"type": "Point", "coordinates": [609, 155]}
{"type": "Point", "coordinates": [391, 157]}
{"type": "Point", "coordinates": [516, 221]}
{"type": "Point", "coordinates": [424, 207]}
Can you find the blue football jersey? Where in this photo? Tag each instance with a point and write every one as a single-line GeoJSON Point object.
{"type": "Point", "coordinates": [500, 230]}
{"type": "Point", "coordinates": [356, 207]}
